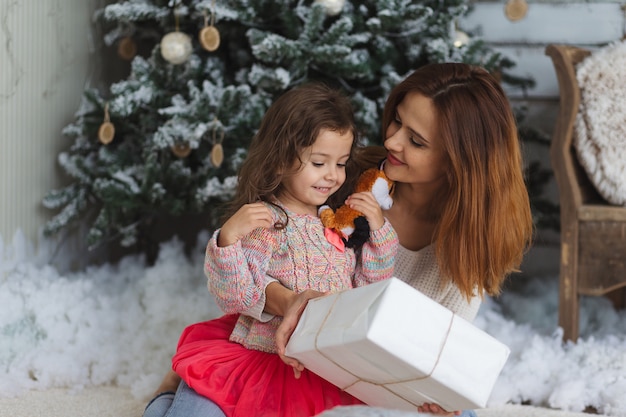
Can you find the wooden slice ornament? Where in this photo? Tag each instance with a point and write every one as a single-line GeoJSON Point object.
{"type": "Point", "coordinates": [106, 132]}
{"type": "Point", "coordinates": [127, 48]}
{"type": "Point", "coordinates": [217, 153]}
{"type": "Point", "coordinates": [516, 9]}
{"type": "Point", "coordinates": [209, 36]}
{"type": "Point", "coordinates": [181, 150]}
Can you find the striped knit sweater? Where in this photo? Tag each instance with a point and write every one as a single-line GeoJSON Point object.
{"type": "Point", "coordinates": [300, 258]}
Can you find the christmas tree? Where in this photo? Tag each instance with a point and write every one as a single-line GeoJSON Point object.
{"type": "Point", "coordinates": [168, 139]}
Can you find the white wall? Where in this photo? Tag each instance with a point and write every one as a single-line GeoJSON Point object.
{"type": "Point", "coordinates": [45, 63]}
{"type": "Point", "coordinates": [588, 24]}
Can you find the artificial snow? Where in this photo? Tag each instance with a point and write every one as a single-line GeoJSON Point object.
{"type": "Point", "coordinates": [119, 324]}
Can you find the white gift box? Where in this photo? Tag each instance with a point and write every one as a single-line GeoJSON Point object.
{"type": "Point", "coordinates": [391, 346]}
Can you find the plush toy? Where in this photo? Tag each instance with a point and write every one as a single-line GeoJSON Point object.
{"type": "Point", "coordinates": [346, 226]}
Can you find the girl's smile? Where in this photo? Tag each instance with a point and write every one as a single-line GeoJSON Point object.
{"type": "Point", "coordinates": [323, 190]}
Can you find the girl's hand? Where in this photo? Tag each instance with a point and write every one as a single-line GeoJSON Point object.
{"type": "Point", "coordinates": [367, 204]}
{"type": "Point", "coordinates": [291, 317]}
{"type": "Point", "coordinates": [436, 409]}
{"type": "Point", "coordinates": [245, 220]}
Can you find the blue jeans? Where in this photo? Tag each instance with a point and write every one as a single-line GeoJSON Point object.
{"type": "Point", "coordinates": [185, 403]}
{"type": "Point", "coordinates": [188, 403]}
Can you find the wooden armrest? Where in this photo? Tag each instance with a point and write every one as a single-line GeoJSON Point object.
{"type": "Point", "coordinates": [575, 189]}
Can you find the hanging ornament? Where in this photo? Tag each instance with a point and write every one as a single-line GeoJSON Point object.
{"type": "Point", "coordinates": [209, 36]}
{"type": "Point", "coordinates": [217, 153]}
{"type": "Point", "coordinates": [333, 7]}
{"type": "Point", "coordinates": [515, 9]}
{"type": "Point", "coordinates": [176, 46]}
{"type": "Point", "coordinates": [127, 48]}
{"type": "Point", "coordinates": [181, 150]}
{"type": "Point", "coordinates": [460, 38]}
{"type": "Point", "coordinates": [106, 132]}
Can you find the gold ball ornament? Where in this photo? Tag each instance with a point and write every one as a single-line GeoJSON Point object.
{"type": "Point", "coordinates": [181, 150]}
{"type": "Point", "coordinates": [217, 155]}
{"type": "Point", "coordinates": [106, 133]}
{"type": "Point", "coordinates": [209, 38]}
{"type": "Point", "coordinates": [333, 7]}
{"type": "Point", "coordinates": [176, 47]}
{"type": "Point", "coordinates": [515, 9]}
{"type": "Point", "coordinates": [127, 48]}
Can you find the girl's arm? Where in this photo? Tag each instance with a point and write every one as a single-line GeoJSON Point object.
{"type": "Point", "coordinates": [377, 254]}
{"type": "Point", "coordinates": [233, 271]}
{"type": "Point", "coordinates": [237, 258]}
{"type": "Point", "coordinates": [377, 258]}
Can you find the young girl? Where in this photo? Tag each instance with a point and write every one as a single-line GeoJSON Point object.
{"type": "Point", "coordinates": [296, 161]}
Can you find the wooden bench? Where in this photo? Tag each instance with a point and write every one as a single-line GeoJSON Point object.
{"type": "Point", "coordinates": [593, 232]}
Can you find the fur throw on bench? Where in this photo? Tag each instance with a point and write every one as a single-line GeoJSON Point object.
{"type": "Point", "coordinates": [600, 128]}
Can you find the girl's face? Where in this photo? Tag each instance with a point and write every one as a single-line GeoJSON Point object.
{"type": "Point", "coordinates": [415, 153]}
{"type": "Point", "coordinates": [322, 172]}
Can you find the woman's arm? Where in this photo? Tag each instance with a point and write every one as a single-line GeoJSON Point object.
{"type": "Point", "coordinates": [282, 301]}
{"type": "Point", "coordinates": [278, 298]}
{"type": "Point", "coordinates": [436, 409]}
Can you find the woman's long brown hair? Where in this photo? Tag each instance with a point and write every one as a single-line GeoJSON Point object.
{"type": "Point", "coordinates": [291, 124]}
{"type": "Point", "coordinates": [485, 225]}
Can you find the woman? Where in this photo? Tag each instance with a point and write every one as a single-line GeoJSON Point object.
{"type": "Point", "coordinates": [461, 208]}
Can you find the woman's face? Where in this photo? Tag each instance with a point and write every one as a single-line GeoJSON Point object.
{"type": "Point", "coordinates": [416, 154]}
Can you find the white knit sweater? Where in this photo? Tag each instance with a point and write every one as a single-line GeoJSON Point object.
{"type": "Point", "coordinates": [419, 269]}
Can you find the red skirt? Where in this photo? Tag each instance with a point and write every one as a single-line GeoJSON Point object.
{"type": "Point", "coordinates": [246, 382]}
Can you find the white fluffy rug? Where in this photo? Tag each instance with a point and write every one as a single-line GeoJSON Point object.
{"type": "Point", "coordinates": [118, 402]}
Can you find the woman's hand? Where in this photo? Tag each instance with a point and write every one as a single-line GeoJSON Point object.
{"type": "Point", "coordinates": [436, 409]}
{"type": "Point", "coordinates": [291, 315]}
{"type": "Point", "coordinates": [245, 220]}
{"type": "Point", "coordinates": [366, 203]}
